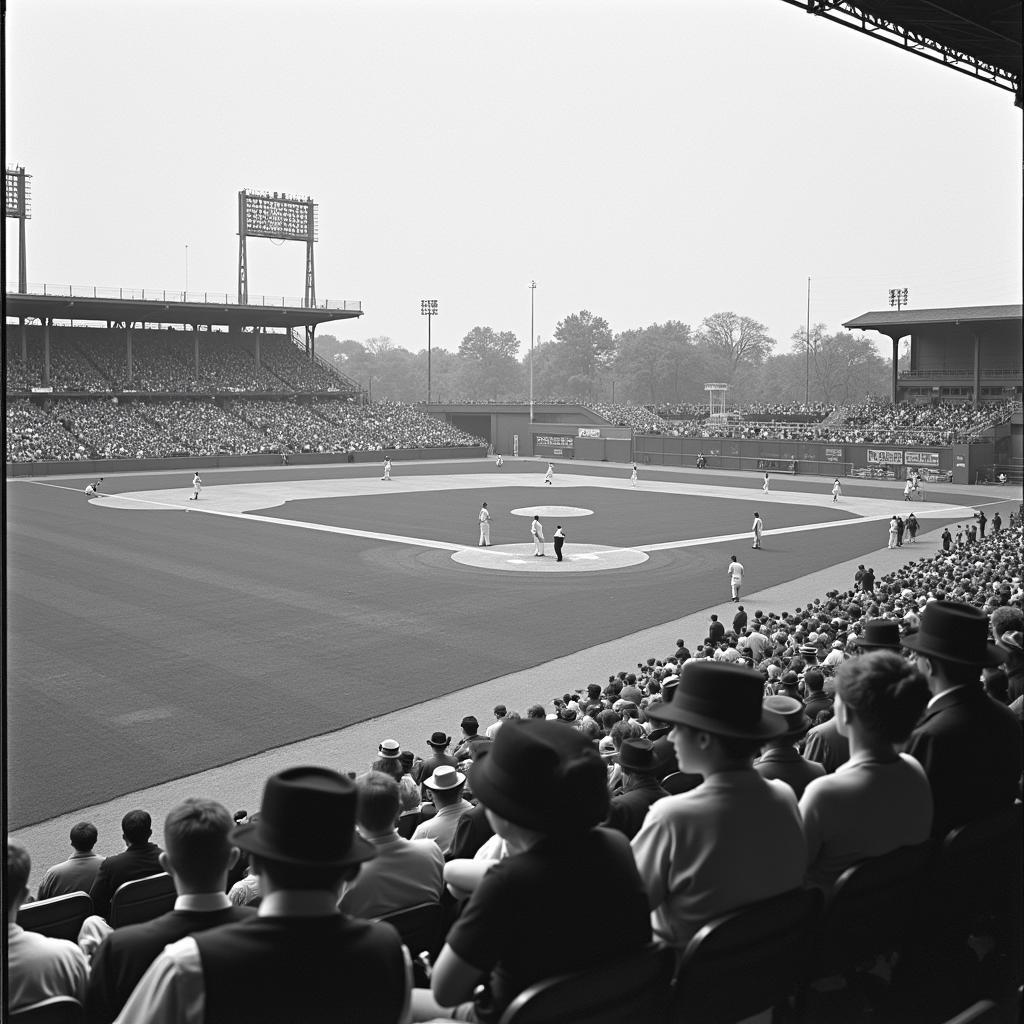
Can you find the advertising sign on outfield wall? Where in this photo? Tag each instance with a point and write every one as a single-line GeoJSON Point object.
{"type": "Point", "coordinates": [590, 432]}
{"type": "Point", "coordinates": [918, 458]}
{"type": "Point", "coordinates": [833, 454]}
{"type": "Point", "coordinates": [884, 457]}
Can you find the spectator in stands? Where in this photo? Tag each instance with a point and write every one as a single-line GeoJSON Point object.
{"type": "Point", "coordinates": [470, 734]}
{"type": "Point", "coordinates": [500, 711]}
{"type": "Point", "coordinates": [142, 858]}
{"type": "Point", "coordinates": [969, 746]}
{"type": "Point", "coordinates": [879, 800]}
{"type": "Point", "coordinates": [38, 967]}
{"type": "Point", "coordinates": [640, 787]}
{"type": "Point", "coordinates": [78, 872]}
{"type": "Point", "coordinates": [779, 757]}
{"type": "Point", "coordinates": [737, 837]}
{"type": "Point", "coordinates": [300, 958]}
{"type": "Point", "coordinates": [445, 786]}
{"type": "Point", "coordinates": [543, 787]}
{"type": "Point", "coordinates": [815, 700]}
{"type": "Point", "coordinates": [405, 872]}
{"type": "Point", "coordinates": [198, 854]}
{"type": "Point", "coordinates": [438, 744]}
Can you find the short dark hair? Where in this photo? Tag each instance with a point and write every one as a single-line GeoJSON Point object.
{"type": "Point", "coordinates": [379, 801]}
{"type": "Point", "coordinates": [137, 826]}
{"type": "Point", "coordinates": [84, 836]}
{"type": "Point", "coordinates": [814, 680]}
{"type": "Point", "coordinates": [197, 838]}
{"type": "Point", "coordinates": [19, 867]}
{"type": "Point", "coordinates": [885, 691]}
{"type": "Point", "coordinates": [500, 711]}
{"type": "Point", "coordinates": [535, 711]}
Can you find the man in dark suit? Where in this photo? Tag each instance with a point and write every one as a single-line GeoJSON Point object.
{"type": "Point", "coordinates": [198, 856]}
{"type": "Point", "coordinates": [141, 859]}
{"type": "Point", "coordinates": [716, 631]}
{"type": "Point", "coordinates": [969, 745]}
{"type": "Point", "coordinates": [640, 787]}
{"type": "Point", "coordinates": [299, 958]}
{"type": "Point", "coordinates": [438, 743]}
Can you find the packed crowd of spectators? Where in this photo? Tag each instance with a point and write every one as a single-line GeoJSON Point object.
{"type": "Point", "coordinates": [787, 746]}
{"type": "Point", "coordinates": [875, 422]}
{"type": "Point", "coordinates": [109, 428]}
{"type": "Point", "coordinates": [88, 359]}
{"type": "Point", "coordinates": [640, 418]}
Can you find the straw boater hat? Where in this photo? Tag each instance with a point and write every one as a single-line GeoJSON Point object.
{"type": "Point", "coordinates": [390, 749]}
{"type": "Point", "coordinates": [951, 631]}
{"type": "Point", "coordinates": [307, 819]}
{"type": "Point", "coordinates": [722, 699]}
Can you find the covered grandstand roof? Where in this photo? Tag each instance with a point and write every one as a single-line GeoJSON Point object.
{"type": "Point", "coordinates": [881, 319]}
{"type": "Point", "coordinates": [981, 38]}
{"type": "Point", "coordinates": [156, 310]}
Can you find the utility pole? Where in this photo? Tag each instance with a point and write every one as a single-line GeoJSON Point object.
{"type": "Point", "coordinates": [533, 288]}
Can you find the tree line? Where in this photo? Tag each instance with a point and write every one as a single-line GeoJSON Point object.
{"type": "Point", "coordinates": [663, 364]}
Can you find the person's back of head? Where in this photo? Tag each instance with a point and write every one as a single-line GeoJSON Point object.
{"type": "Point", "coordinates": [197, 844]}
{"type": "Point", "coordinates": [19, 867]}
{"type": "Point", "coordinates": [136, 827]}
{"type": "Point", "coordinates": [535, 711]}
{"type": "Point", "coordinates": [814, 681]}
{"type": "Point", "coordinates": [378, 804]}
{"type": "Point", "coordinates": [84, 836]}
{"type": "Point", "coordinates": [500, 711]}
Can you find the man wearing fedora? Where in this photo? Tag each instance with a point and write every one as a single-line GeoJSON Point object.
{"type": "Point", "coordinates": [543, 787]}
{"type": "Point", "coordinates": [734, 839]}
{"type": "Point", "coordinates": [445, 786]}
{"type": "Point", "coordinates": [640, 787]}
{"type": "Point", "coordinates": [779, 757]}
{"type": "Point", "coordinates": [299, 958]}
{"type": "Point", "coordinates": [968, 744]}
{"type": "Point", "coordinates": [438, 743]}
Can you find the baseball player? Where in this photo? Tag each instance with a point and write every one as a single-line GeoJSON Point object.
{"type": "Point", "coordinates": [485, 527]}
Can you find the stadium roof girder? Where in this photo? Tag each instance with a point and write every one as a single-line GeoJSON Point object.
{"type": "Point", "coordinates": [155, 311]}
{"type": "Point", "coordinates": [980, 38]}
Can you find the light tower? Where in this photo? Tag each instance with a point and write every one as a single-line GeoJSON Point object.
{"type": "Point", "coordinates": [428, 308]}
{"type": "Point", "coordinates": [18, 203]}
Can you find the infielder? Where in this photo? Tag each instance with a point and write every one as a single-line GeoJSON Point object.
{"type": "Point", "coordinates": [499, 461]}
{"type": "Point", "coordinates": [632, 477]}
{"type": "Point", "coordinates": [197, 486]}
{"type": "Point", "coordinates": [387, 470]}
{"type": "Point", "coordinates": [550, 474]}
{"type": "Point", "coordinates": [485, 527]}
{"type": "Point", "coordinates": [758, 528]}
{"type": "Point", "coordinates": [538, 536]}
{"type": "Point", "coordinates": [837, 490]}
{"type": "Point", "coordinates": [735, 576]}
{"type": "Point", "coordinates": [764, 486]}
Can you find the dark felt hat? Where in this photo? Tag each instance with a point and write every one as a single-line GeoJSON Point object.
{"type": "Point", "coordinates": [879, 634]}
{"type": "Point", "coordinates": [636, 755]}
{"type": "Point", "coordinates": [797, 722]}
{"type": "Point", "coordinates": [956, 632]}
{"type": "Point", "coordinates": [542, 776]}
{"type": "Point", "coordinates": [722, 699]}
{"type": "Point", "coordinates": [307, 819]}
{"type": "Point", "coordinates": [439, 740]}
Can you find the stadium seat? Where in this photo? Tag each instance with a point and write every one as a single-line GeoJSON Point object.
{"type": "Point", "coordinates": [747, 961]}
{"type": "Point", "coordinates": [871, 910]}
{"type": "Point", "coordinates": [633, 990]}
{"type": "Point", "coordinates": [407, 823]}
{"type": "Point", "coordinates": [419, 927]}
{"type": "Point", "coordinates": [60, 917]}
{"type": "Point", "coordinates": [142, 900]}
{"type": "Point", "coordinates": [55, 1010]}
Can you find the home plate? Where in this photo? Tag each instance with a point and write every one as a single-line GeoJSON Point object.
{"type": "Point", "coordinates": [576, 558]}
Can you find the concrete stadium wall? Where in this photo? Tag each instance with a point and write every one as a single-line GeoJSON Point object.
{"type": "Point", "coordinates": [100, 467]}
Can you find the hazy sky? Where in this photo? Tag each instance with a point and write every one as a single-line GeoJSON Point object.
{"type": "Point", "coordinates": [643, 159]}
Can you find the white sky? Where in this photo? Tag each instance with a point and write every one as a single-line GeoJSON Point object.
{"type": "Point", "coordinates": [643, 159]}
